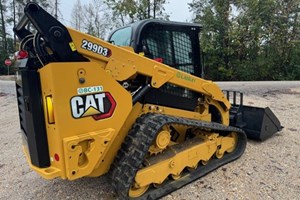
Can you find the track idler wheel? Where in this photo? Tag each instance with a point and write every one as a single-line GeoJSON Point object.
{"type": "Point", "coordinates": [136, 191]}
{"type": "Point", "coordinates": [235, 137]}
{"type": "Point", "coordinates": [229, 146]}
{"type": "Point", "coordinates": [190, 169]}
{"type": "Point", "coordinates": [219, 154]}
{"type": "Point", "coordinates": [176, 176]}
{"type": "Point", "coordinates": [161, 142]}
{"type": "Point", "coordinates": [158, 185]}
{"type": "Point", "coordinates": [204, 162]}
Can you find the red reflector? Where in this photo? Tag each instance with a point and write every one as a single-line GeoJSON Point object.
{"type": "Point", "coordinates": [56, 157]}
{"type": "Point", "coordinates": [22, 54]}
{"type": "Point", "coordinates": [158, 60]}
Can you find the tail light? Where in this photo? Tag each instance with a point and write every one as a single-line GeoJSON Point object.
{"type": "Point", "coordinates": [21, 54]}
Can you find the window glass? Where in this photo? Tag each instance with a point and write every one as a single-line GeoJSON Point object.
{"type": "Point", "coordinates": [159, 46]}
{"type": "Point", "coordinates": [183, 51]}
{"type": "Point", "coordinates": [121, 37]}
{"type": "Point", "coordinates": [174, 47]}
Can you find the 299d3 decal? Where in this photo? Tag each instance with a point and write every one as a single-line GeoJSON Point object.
{"type": "Point", "coordinates": [96, 48]}
{"type": "Point", "coordinates": [99, 106]}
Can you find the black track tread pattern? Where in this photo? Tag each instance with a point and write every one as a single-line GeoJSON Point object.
{"type": "Point", "coordinates": [136, 145]}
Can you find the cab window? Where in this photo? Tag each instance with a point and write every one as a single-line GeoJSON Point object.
{"type": "Point", "coordinates": [121, 37]}
{"type": "Point", "coordinates": [174, 47]}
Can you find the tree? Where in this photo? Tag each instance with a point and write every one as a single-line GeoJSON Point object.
{"type": "Point", "coordinates": [96, 21]}
{"type": "Point", "coordinates": [249, 39]}
{"type": "Point", "coordinates": [91, 18]}
{"type": "Point", "coordinates": [3, 34]}
{"type": "Point", "coordinates": [129, 11]}
{"type": "Point", "coordinates": [272, 29]}
{"type": "Point", "coordinates": [285, 33]}
{"type": "Point", "coordinates": [77, 15]}
{"type": "Point", "coordinates": [215, 17]}
{"type": "Point", "coordinates": [6, 42]}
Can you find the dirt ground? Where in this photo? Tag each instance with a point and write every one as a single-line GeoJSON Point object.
{"type": "Point", "coordinates": [267, 170]}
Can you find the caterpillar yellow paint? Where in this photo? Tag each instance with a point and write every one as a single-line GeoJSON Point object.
{"type": "Point", "coordinates": [134, 107]}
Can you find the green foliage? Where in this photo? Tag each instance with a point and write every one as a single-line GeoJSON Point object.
{"type": "Point", "coordinates": [129, 11]}
{"type": "Point", "coordinates": [240, 39]}
{"type": "Point", "coordinates": [249, 39]}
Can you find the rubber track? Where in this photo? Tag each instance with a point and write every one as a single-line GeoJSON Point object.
{"type": "Point", "coordinates": [136, 145]}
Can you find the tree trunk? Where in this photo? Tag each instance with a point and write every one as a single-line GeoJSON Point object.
{"type": "Point", "coordinates": [225, 36]}
{"type": "Point", "coordinates": [56, 8]}
{"type": "Point", "coordinates": [293, 36]}
{"type": "Point", "coordinates": [3, 28]}
{"type": "Point", "coordinates": [148, 8]}
{"type": "Point", "coordinates": [14, 22]}
{"type": "Point", "coordinates": [154, 8]}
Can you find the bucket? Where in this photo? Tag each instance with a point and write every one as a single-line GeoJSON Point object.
{"type": "Point", "coordinates": [260, 123]}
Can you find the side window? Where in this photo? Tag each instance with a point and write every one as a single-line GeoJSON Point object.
{"type": "Point", "coordinates": [159, 44]}
{"type": "Point", "coordinates": [121, 37]}
{"type": "Point", "coordinates": [176, 50]}
{"type": "Point", "coordinates": [183, 51]}
{"type": "Point", "coordinates": [174, 47]}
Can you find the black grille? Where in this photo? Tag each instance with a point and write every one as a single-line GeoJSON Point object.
{"type": "Point", "coordinates": [32, 120]}
{"type": "Point", "coordinates": [21, 106]}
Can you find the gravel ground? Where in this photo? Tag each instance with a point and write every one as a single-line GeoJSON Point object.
{"type": "Point", "coordinates": [267, 170]}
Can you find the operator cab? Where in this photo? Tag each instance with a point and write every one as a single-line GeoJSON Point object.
{"type": "Point", "coordinates": [172, 43]}
{"type": "Point", "coordinates": [175, 44]}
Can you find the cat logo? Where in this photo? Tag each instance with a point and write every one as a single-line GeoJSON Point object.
{"type": "Point", "coordinates": [100, 106]}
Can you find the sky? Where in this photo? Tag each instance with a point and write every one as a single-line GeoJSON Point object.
{"type": "Point", "coordinates": [177, 9]}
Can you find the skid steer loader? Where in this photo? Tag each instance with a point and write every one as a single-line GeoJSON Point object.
{"type": "Point", "coordinates": [134, 107]}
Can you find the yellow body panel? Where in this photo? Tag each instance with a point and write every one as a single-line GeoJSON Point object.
{"type": "Point", "coordinates": [79, 144]}
{"type": "Point", "coordinates": [47, 173]}
{"type": "Point", "coordinates": [123, 64]}
{"type": "Point", "coordinates": [62, 87]}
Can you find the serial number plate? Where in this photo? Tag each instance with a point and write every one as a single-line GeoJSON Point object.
{"type": "Point", "coordinates": [96, 48]}
{"type": "Point", "coordinates": [88, 90]}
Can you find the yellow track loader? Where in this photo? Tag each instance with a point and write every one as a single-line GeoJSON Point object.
{"type": "Point", "coordinates": [134, 107]}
